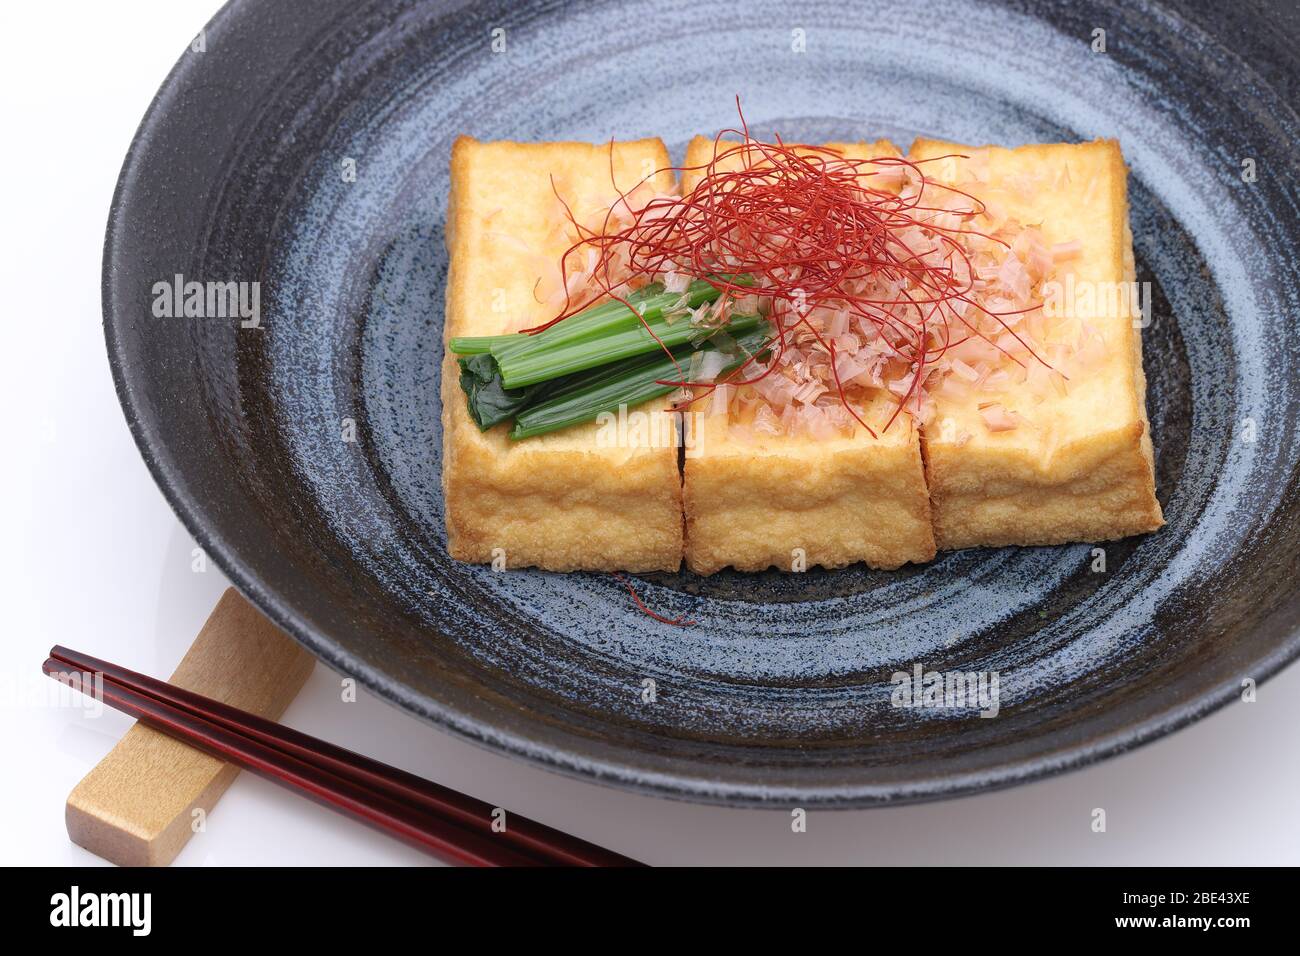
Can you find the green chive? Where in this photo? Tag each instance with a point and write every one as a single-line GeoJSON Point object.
{"type": "Point", "coordinates": [651, 303]}
{"type": "Point", "coordinates": [625, 384]}
{"type": "Point", "coordinates": [521, 370]}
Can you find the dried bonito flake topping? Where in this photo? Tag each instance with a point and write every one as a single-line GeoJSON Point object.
{"type": "Point", "coordinates": [879, 280]}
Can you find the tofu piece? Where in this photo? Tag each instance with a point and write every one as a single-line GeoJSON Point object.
{"type": "Point", "coordinates": [568, 500]}
{"type": "Point", "coordinates": [1081, 468]}
{"type": "Point", "coordinates": [750, 503]}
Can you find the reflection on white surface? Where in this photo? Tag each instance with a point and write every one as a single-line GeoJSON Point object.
{"type": "Point", "coordinates": [96, 561]}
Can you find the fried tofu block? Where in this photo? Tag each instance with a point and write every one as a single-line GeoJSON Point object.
{"type": "Point", "coordinates": [574, 499]}
{"type": "Point", "coordinates": [751, 503]}
{"type": "Point", "coordinates": [1079, 467]}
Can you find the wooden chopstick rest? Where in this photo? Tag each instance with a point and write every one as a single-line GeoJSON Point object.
{"type": "Point", "coordinates": [137, 806]}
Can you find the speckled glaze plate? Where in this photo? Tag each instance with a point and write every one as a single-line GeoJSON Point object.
{"type": "Point", "coordinates": [781, 693]}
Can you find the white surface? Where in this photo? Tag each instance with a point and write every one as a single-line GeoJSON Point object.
{"type": "Point", "coordinates": [93, 558]}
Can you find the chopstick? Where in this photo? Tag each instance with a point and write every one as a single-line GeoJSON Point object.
{"type": "Point", "coordinates": [450, 825]}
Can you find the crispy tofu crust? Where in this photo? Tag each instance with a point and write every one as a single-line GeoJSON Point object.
{"type": "Point", "coordinates": [786, 501]}
{"type": "Point", "coordinates": [571, 500]}
{"type": "Point", "coordinates": [1083, 469]}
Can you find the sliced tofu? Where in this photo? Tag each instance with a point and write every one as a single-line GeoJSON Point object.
{"type": "Point", "coordinates": [793, 501]}
{"type": "Point", "coordinates": [1079, 465]}
{"type": "Point", "coordinates": [578, 499]}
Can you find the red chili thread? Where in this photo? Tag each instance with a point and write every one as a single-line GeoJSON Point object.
{"type": "Point", "coordinates": [641, 605]}
{"type": "Point", "coordinates": [802, 223]}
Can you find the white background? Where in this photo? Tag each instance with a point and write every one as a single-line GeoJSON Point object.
{"type": "Point", "coordinates": [94, 559]}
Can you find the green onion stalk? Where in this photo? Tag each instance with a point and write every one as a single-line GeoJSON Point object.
{"type": "Point", "coordinates": [651, 303]}
{"type": "Point", "coordinates": [599, 360]}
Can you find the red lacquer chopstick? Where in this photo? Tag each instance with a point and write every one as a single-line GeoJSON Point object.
{"type": "Point", "coordinates": [451, 825]}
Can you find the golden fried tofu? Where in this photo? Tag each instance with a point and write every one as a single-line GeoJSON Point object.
{"type": "Point", "coordinates": [791, 501]}
{"type": "Point", "coordinates": [578, 499]}
{"type": "Point", "coordinates": [1077, 465]}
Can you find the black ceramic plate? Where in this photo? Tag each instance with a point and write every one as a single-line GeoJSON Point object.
{"type": "Point", "coordinates": [781, 692]}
